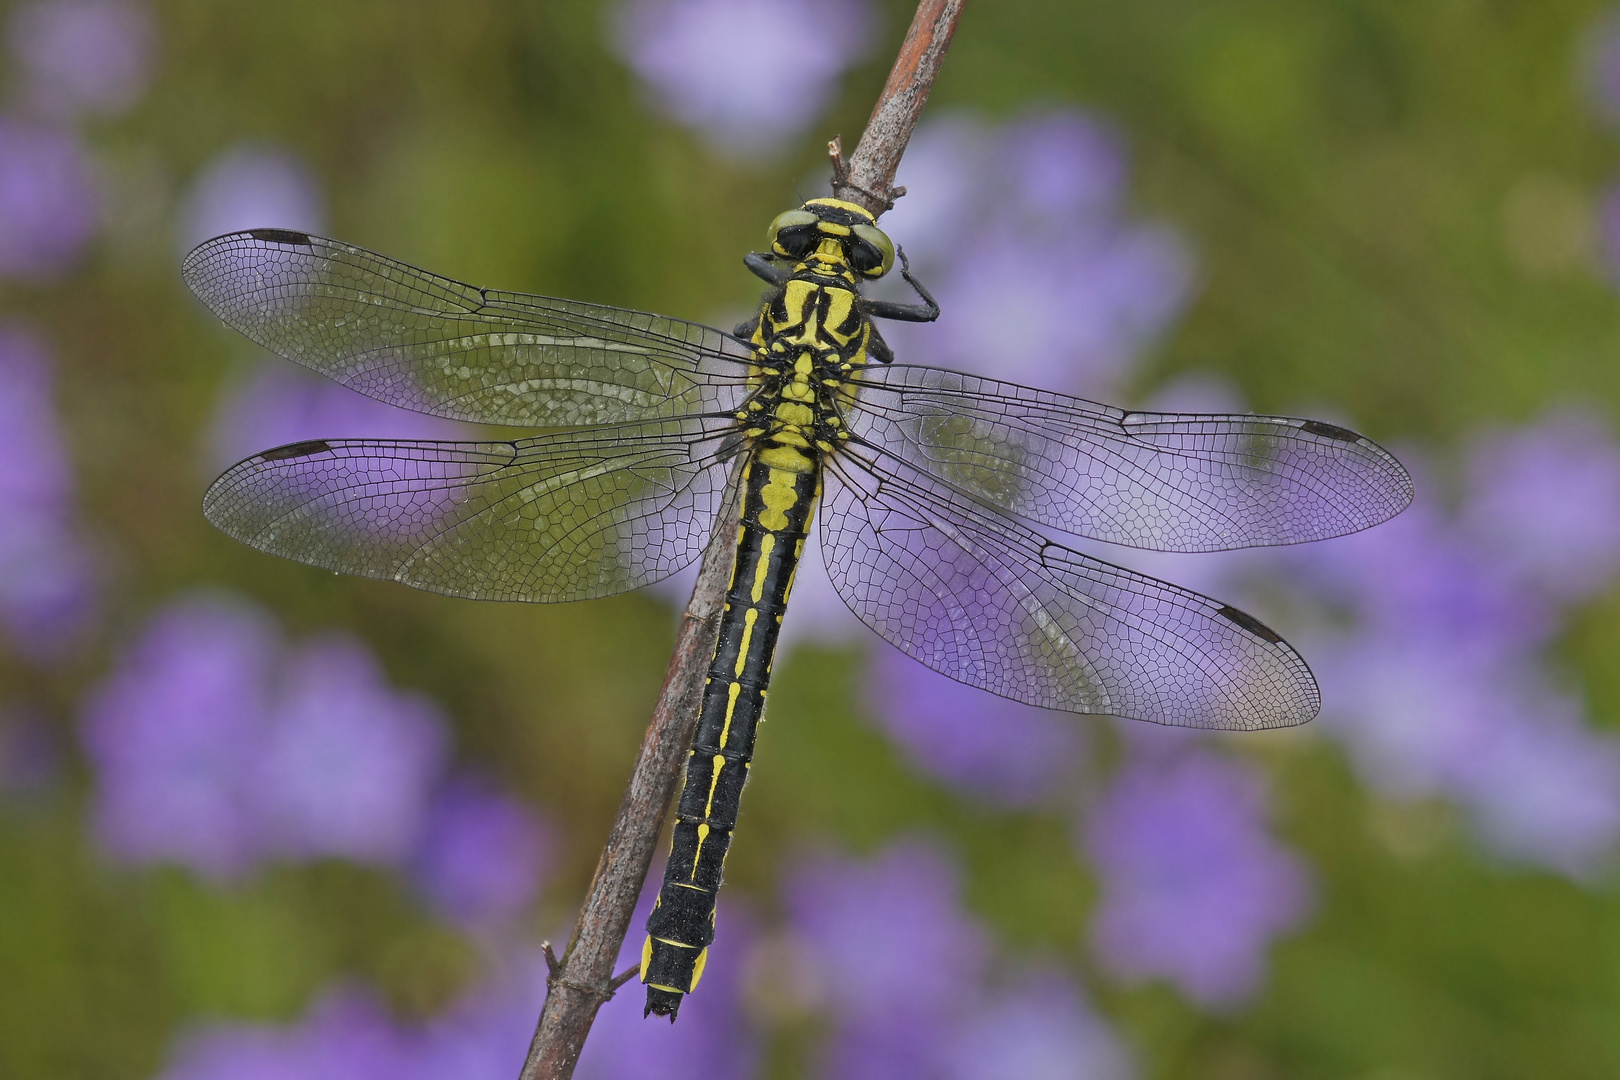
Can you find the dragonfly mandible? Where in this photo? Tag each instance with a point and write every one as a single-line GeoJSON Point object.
{"type": "Point", "coordinates": [935, 492]}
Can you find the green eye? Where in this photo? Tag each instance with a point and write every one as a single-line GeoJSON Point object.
{"type": "Point", "coordinates": [792, 233]}
{"type": "Point", "coordinates": [873, 252]}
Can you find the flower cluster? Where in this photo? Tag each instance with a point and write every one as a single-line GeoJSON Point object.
{"type": "Point", "coordinates": [47, 576]}
{"type": "Point", "coordinates": [1436, 672]}
{"type": "Point", "coordinates": [71, 58]}
{"type": "Point", "coordinates": [987, 746]}
{"type": "Point", "coordinates": [218, 746]}
{"type": "Point", "coordinates": [1024, 235]}
{"type": "Point", "coordinates": [907, 975]}
{"type": "Point", "coordinates": [1193, 888]}
{"type": "Point", "coordinates": [701, 62]}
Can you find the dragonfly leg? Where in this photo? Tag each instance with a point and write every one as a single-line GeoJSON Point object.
{"type": "Point", "coordinates": [927, 311]}
{"type": "Point", "coordinates": [877, 347]}
{"type": "Point", "coordinates": [764, 266]}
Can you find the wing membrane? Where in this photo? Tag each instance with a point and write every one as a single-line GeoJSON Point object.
{"type": "Point", "coordinates": [565, 516]}
{"type": "Point", "coordinates": [435, 345]}
{"type": "Point", "coordinates": [1164, 481]}
{"type": "Point", "coordinates": [992, 604]}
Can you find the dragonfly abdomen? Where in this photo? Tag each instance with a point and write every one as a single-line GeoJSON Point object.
{"type": "Point", "coordinates": [781, 487]}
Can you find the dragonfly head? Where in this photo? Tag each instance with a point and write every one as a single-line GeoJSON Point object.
{"type": "Point", "coordinates": [835, 231]}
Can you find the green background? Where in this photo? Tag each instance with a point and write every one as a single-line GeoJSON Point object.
{"type": "Point", "coordinates": [1390, 204]}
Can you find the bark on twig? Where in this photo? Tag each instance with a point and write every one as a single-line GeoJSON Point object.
{"type": "Point", "coordinates": [868, 179]}
{"type": "Point", "coordinates": [583, 979]}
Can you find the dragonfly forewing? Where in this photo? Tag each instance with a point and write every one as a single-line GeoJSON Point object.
{"type": "Point", "coordinates": [429, 343]}
{"type": "Point", "coordinates": [1162, 481]}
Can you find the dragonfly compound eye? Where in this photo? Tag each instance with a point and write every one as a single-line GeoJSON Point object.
{"type": "Point", "coordinates": [793, 234]}
{"type": "Point", "coordinates": [871, 252]}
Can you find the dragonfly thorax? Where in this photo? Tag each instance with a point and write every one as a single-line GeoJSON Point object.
{"type": "Point", "coordinates": [812, 335]}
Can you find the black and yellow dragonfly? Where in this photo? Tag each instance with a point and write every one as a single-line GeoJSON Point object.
{"type": "Point", "coordinates": [933, 490]}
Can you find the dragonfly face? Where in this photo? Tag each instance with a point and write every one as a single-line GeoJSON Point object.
{"type": "Point", "coordinates": [943, 499]}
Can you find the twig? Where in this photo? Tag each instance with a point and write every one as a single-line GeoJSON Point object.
{"type": "Point", "coordinates": [868, 180]}
{"type": "Point", "coordinates": [584, 978]}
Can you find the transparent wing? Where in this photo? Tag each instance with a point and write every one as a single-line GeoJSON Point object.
{"type": "Point", "coordinates": [1164, 481]}
{"type": "Point", "coordinates": [428, 343]}
{"type": "Point", "coordinates": [565, 516]}
{"type": "Point", "coordinates": [992, 604]}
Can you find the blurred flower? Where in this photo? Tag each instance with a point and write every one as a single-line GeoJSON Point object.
{"type": "Point", "coordinates": [47, 578]}
{"type": "Point", "coordinates": [1424, 718]}
{"type": "Point", "coordinates": [1002, 750]}
{"type": "Point", "coordinates": [485, 1035]}
{"type": "Point", "coordinates": [718, 65]}
{"type": "Point", "coordinates": [1193, 888]}
{"type": "Point", "coordinates": [1038, 1029]}
{"type": "Point", "coordinates": [1023, 236]}
{"type": "Point", "coordinates": [890, 934]}
{"type": "Point", "coordinates": [347, 762]}
{"type": "Point", "coordinates": [1543, 502]}
{"type": "Point", "coordinates": [712, 1039]}
{"type": "Point", "coordinates": [48, 202]}
{"type": "Point", "coordinates": [214, 748]}
{"type": "Point", "coordinates": [280, 403]}
{"type": "Point", "coordinates": [346, 1036]}
{"type": "Point", "coordinates": [481, 855]}
{"type": "Point", "coordinates": [250, 186]}
{"type": "Point", "coordinates": [1436, 678]}
{"type": "Point", "coordinates": [170, 734]}
{"type": "Point", "coordinates": [82, 55]}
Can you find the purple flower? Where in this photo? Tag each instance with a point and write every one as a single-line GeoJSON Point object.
{"type": "Point", "coordinates": [1193, 888]}
{"type": "Point", "coordinates": [170, 734]}
{"type": "Point", "coordinates": [216, 748]}
{"type": "Point", "coordinates": [47, 578]}
{"type": "Point", "coordinates": [1038, 1029]}
{"type": "Point", "coordinates": [485, 1035]}
{"type": "Point", "coordinates": [1424, 719]}
{"type": "Point", "coordinates": [1061, 290]}
{"type": "Point", "coordinates": [251, 186]}
{"type": "Point", "coordinates": [1417, 578]}
{"type": "Point", "coordinates": [891, 936]}
{"type": "Point", "coordinates": [279, 403]}
{"type": "Point", "coordinates": [1437, 684]}
{"type": "Point", "coordinates": [708, 63]}
{"type": "Point", "coordinates": [1007, 752]}
{"type": "Point", "coordinates": [82, 55]}
{"type": "Point", "coordinates": [481, 855]}
{"type": "Point", "coordinates": [345, 1037]}
{"type": "Point", "coordinates": [48, 201]}
{"type": "Point", "coordinates": [348, 763]}
{"type": "Point", "coordinates": [711, 1041]}
{"type": "Point", "coordinates": [1544, 503]}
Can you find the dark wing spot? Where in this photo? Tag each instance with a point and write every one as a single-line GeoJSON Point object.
{"type": "Point", "coordinates": [297, 449]}
{"type": "Point", "coordinates": [280, 236]}
{"type": "Point", "coordinates": [1249, 623]}
{"type": "Point", "coordinates": [1329, 431]}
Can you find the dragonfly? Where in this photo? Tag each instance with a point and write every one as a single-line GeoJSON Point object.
{"type": "Point", "coordinates": [943, 499]}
